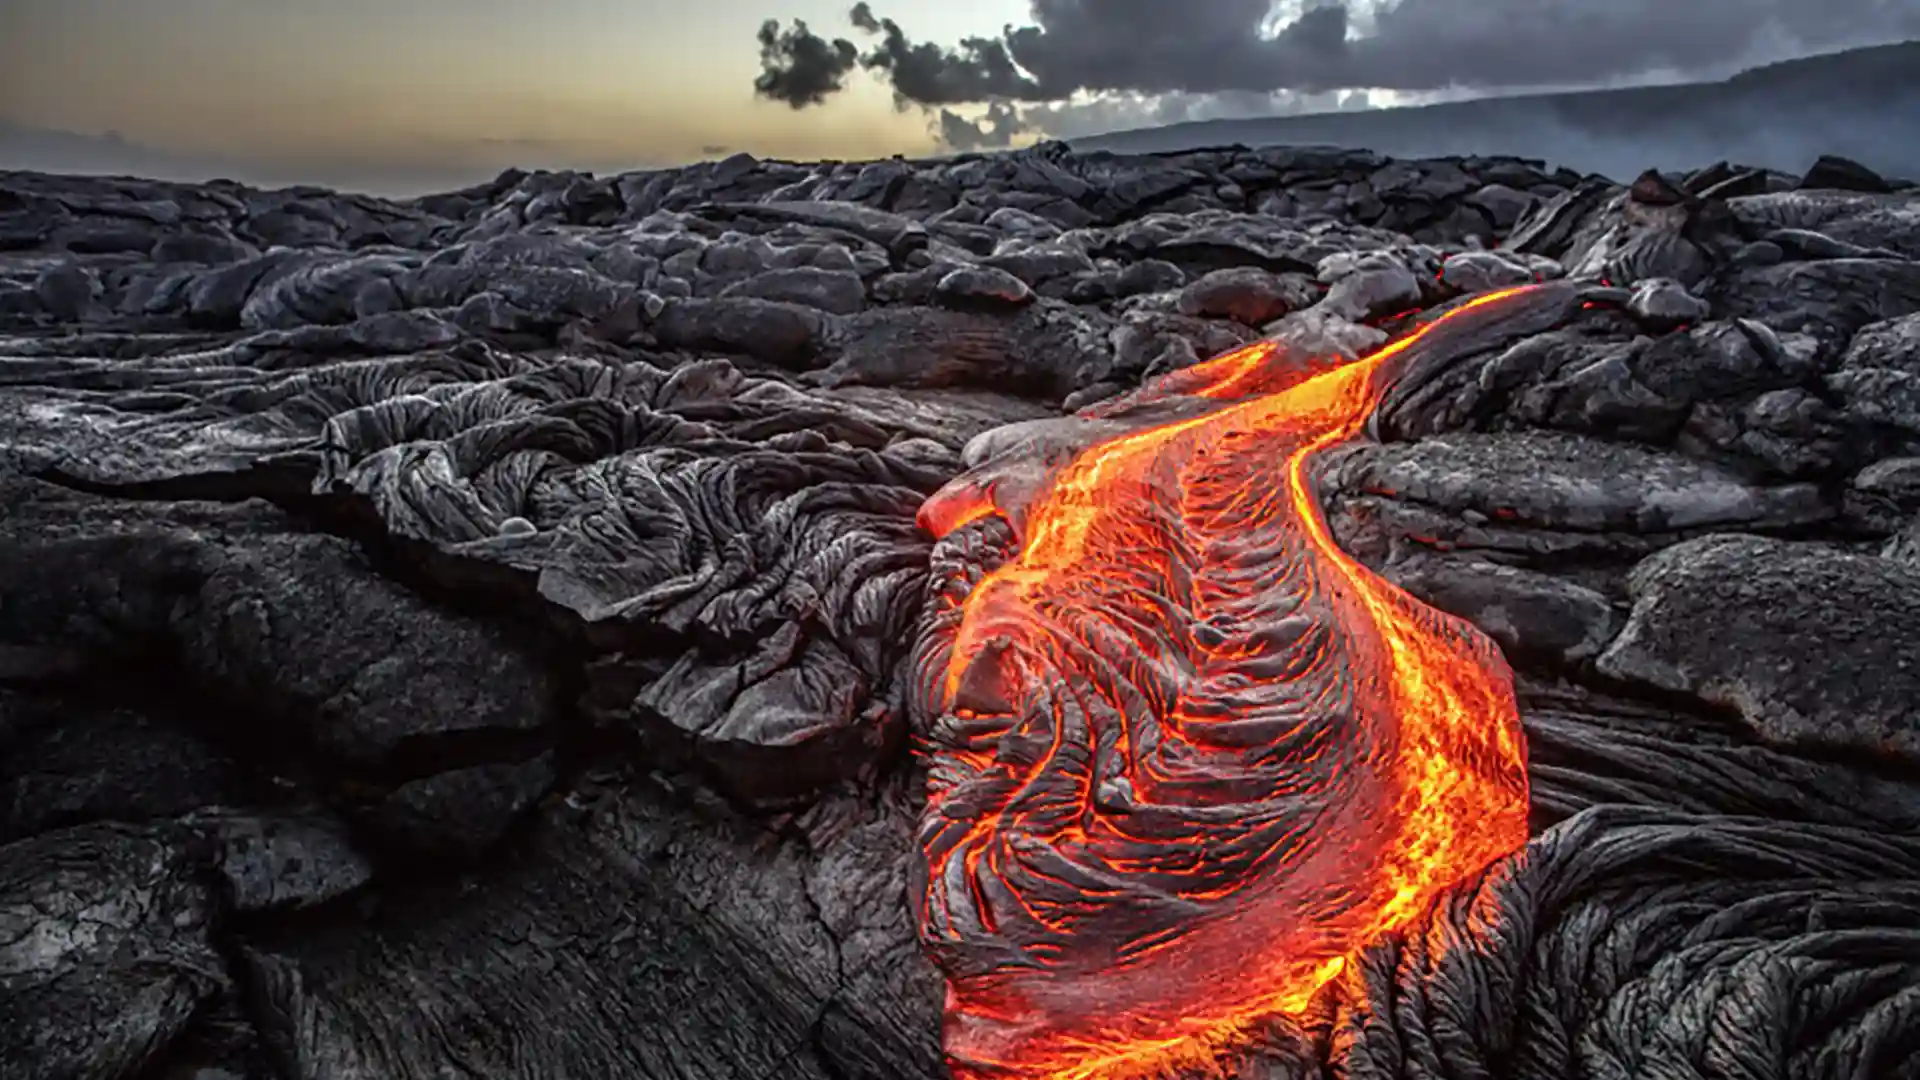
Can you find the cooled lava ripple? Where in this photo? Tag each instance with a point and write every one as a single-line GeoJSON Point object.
{"type": "Point", "coordinates": [1186, 755]}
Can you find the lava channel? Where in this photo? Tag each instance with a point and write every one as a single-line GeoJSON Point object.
{"type": "Point", "coordinates": [1186, 756]}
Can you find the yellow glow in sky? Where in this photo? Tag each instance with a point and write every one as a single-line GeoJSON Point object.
{"type": "Point", "coordinates": [447, 83]}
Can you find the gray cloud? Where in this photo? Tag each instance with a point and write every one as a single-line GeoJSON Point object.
{"type": "Point", "coordinates": [994, 131]}
{"type": "Point", "coordinates": [980, 69]}
{"type": "Point", "coordinates": [1104, 113]}
{"type": "Point", "coordinates": [800, 67]}
{"type": "Point", "coordinates": [1153, 47]}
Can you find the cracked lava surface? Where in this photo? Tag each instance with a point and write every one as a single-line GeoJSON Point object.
{"type": "Point", "coordinates": [1186, 755]}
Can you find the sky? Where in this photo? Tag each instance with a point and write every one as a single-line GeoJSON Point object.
{"type": "Point", "coordinates": [386, 94]}
{"type": "Point", "coordinates": [431, 82]}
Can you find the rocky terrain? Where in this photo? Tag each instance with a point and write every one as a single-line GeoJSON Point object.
{"type": "Point", "coordinates": [470, 636]}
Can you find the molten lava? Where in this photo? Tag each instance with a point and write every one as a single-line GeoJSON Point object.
{"type": "Point", "coordinates": [1187, 756]}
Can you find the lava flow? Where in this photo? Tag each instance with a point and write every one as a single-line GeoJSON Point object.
{"type": "Point", "coordinates": [1187, 756]}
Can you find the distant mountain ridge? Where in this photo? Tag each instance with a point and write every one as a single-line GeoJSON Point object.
{"type": "Point", "coordinates": [69, 152]}
{"type": "Point", "coordinates": [1862, 103]}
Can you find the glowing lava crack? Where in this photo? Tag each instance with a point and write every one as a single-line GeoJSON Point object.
{"type": "Point", "coordinates": [1187, 755]}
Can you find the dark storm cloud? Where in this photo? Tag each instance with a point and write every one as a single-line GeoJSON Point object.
{"type": "Point", "coordinates": [980, 69]}
{"type": "Point", "coordinates": [800, 67]}
{"type": "Point", "coordinates": [1432, 44]}
{"type": "Point", "coordinates": [1158, 46]}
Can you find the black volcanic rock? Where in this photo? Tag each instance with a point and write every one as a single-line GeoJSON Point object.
{"type": "Point", "coordinates": [471, 634]}
{"type": "Point", "coordinates": [1247, 295]}
{"type": "Point", "coordinates": [971, 286]}
{"type": "Point", "coordinates": [108, 952]}
{"type": "Point", "coordinates": [1813, 645]}
{"type": "Point", "coordinates": [1832, 172]}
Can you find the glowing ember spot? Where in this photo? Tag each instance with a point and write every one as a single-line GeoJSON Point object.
{"type": "Point", "coordinates": [1186, 755]}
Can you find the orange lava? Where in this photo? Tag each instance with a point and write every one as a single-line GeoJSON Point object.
{"type": "Point", "coordinates": [1186, 755]}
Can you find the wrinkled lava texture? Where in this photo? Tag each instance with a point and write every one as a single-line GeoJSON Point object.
{"type": "Point", "coordinates": [483, 635]}
{"type": "Point", "coordinates": [1187, 755]}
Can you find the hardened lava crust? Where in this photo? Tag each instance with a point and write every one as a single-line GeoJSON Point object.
{"type": "Point", "coordinates": [1009, 615]}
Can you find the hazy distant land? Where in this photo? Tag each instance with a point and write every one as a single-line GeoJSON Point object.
{"type": "Point", "coordinates": [1862, 103]}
